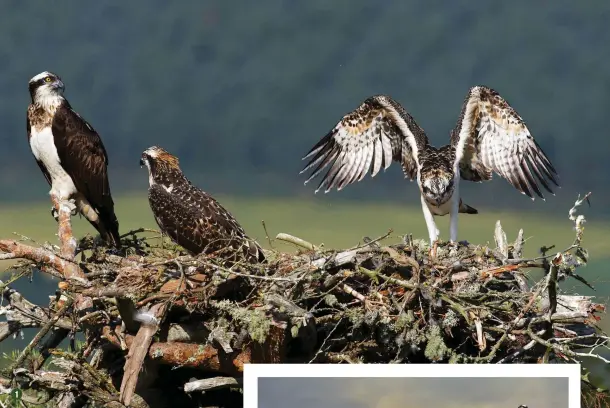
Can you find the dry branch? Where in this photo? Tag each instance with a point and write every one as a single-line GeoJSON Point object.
{"type": "Point", "coordinates": [156, 320]}
{"type": "Point", "coordinates": [68, 242]}
{"type": "Point", "coordinates": [211, 384]}
{"type": "Point", "coordinates": [138, 351]}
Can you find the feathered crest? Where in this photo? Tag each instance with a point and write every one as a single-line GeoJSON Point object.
{"type": "Point", "coordinates": [162, 157]}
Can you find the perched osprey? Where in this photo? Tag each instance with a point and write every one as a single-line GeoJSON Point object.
{"type": "Point", "coordinates": [489, 137]}
{"type": "Point", "coordinates": [191, 217]}
{"type": "Point", "coordinates": [71, 155]}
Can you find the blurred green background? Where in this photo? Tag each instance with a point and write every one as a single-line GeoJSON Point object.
{"type": "Point", "coordinates": [240, 91]}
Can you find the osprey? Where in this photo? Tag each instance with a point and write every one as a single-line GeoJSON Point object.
{"type": "Point", "coordinates": [71, 155]}
{"type": "Point", "coordinates": [489, 137]}
{"type": "Point", "coordinates": [191, 217]}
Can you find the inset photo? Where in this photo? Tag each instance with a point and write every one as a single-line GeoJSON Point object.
{"type": "Point", "coordinates": [412, 386]}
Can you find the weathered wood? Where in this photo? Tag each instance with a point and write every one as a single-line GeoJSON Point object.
{"type": "Point", "coordinates": [195, 332]}
{"type": "Point", "coordinates": [337, 260]}
{"type": "Point", "coordinates": [296, 241]}
{"type": "Point", "coordinates": [211, 384]}
{"type": "Point", "coordinates": [21, 313]}
{"type": "Point", "coordinates": [138, 351]}
{"type": "Point", "coordinates": [66, 238]}
{"type": "Point", "coordinates": [501, 242]}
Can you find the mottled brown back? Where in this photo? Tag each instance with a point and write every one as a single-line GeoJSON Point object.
{"type": "Point", "coordinates": [194, 219]}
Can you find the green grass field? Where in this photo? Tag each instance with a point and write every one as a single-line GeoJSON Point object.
{"type": "Point", "coordinates": [335, 224]}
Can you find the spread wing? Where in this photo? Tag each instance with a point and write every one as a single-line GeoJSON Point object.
{"type": "Point", "coordinates": [83, 156]}
{"type": "Point", "coordinates": [378, 132]}
{"type": "Point", "coordinates": [491, 137]}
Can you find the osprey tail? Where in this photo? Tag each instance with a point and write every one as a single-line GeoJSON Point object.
{"type": "Point", "coordinates": [104, 220]}
{"type": "Point", "coordinates": [466, 209]}
{"type": "Point", "coordinates": [108, 227]}
{"type": "Point", "coordinates": [253, 251]}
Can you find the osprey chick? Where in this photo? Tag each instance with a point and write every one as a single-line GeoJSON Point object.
{"type": "Point", "coordinates": [192, 218]}
{"type": "Point", "coordinates": [488, 137]}
{"type": "Point", "coordinates": [70, 154]}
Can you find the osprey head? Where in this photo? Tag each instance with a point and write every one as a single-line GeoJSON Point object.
{"type": "Point", "coordinates": [437, 186]}
{"type": "Point", "coordinates": [160, 164]}
{"type": "Point", "coordinates": [45, 88]}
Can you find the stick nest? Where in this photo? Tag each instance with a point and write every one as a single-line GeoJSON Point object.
{"type": "Point", "coordinates": [163, 328]}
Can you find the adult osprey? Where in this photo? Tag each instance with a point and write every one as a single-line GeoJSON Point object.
{"type": "Point", "coordinates": [192, 218]}
{"type": "Point", "coordinates": [489, 137]}
{"type": "Point", "coordinates": [71, 155]}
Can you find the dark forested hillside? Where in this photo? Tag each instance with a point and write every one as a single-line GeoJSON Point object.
{"type": "Point", "coordinates": [241, 90]}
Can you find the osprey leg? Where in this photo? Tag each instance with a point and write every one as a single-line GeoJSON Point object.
{"type": "Point", "coordinates": [91, 215]}
{"type": "Point", "coordinates": [54, 213]}
{"type": "Point", "coordinates": [433, 231]}
{"type": "Point", "coordinates": [455, 208]}
{"type": "Point", "coordinates": [73, 209]}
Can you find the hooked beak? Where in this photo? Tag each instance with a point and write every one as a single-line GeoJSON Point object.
{"type": "Point", "coordinates": [58, 84]}
{"type": "Point", "coordinates": [141, 163]}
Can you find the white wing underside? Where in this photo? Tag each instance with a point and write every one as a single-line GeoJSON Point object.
{"type": "Point", "coordinates": [367, 139]}
{"type": "Point", "coordinates": [492, 138]}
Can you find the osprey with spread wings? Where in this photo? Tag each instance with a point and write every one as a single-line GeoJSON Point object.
{"type": "Point", "coordinates": [489, 137]}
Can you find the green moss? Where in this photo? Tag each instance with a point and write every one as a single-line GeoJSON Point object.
{"type": "Point", "coordinates": [355, 316]}
{"type": "Point", "coordinates": [451, 319]}
{"type": "Point", "coordinates": [330, 300]}
{"type": "Point", "coordinates": [256, 321]}
{"type": "Point", "coordinates": [436, 349]}
{"type": "Point", "coordinates": [404, 320]}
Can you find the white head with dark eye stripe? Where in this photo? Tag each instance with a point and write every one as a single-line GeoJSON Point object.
{"type": "Point", "coordinates": [46, 90]}
{"type": "Point", "coordinates": [163, 167]}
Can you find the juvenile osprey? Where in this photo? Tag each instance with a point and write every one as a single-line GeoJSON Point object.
{"type": "Point", "coordinates": [70, 154]}
{"type": "Point", "coordinates": [489, 137]}
{"type": "Point", "coordinates": [191, 217]}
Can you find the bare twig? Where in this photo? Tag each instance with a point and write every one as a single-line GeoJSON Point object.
{"type": "Point", "coordinates": [296, 241]}
{"type": "Point", "coordinates": [45, 329]}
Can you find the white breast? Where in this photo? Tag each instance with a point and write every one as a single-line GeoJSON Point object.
{"type": "Point", "coordinates": [443, 209]}
{"type": "Point", "coordinates": [44, 150]}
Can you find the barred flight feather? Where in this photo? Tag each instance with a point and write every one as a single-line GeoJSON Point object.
{"type": "Point", "coordinates": [378, 132]}
{"type": "Point", "coordinates": [490, 136]}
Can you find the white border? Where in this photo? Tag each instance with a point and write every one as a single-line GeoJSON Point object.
{"type": "Point", "coordinates": [252, 372]}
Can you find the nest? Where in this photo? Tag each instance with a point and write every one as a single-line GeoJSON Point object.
{"type": "Point", "coordinates": [163, 328]}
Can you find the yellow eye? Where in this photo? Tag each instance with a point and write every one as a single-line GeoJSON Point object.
{"type": "Point", "coordinates": [47, 79]}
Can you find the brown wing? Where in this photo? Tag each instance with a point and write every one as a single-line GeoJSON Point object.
{"type": "Point", "coordinates": [378, 132]}
{"type": "Point", "coordinates": [197, 222]}
{"type": "Point", "coordinates": [491, 137]}
{"type": "Point", "coordinates": [83, 156]}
